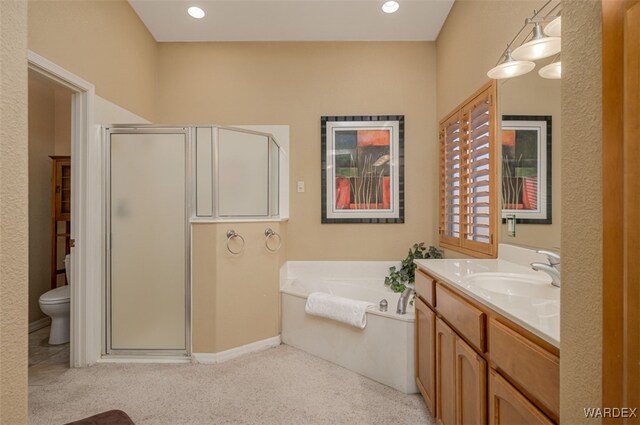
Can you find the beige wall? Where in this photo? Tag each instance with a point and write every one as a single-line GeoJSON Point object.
{"type": "Point", "coordinates": [236, 298]}
{"type": "Point", "coordinates": [297, 83]}
{"type": "Point", "coordinates": [14, 254]}
{"type": "Point", "coordinates": [102, 41]}
{"type": "Point", "coordinates": [463, 61]}
{"type": "Point", "coordinates": [474, 35]}
{"type": "Point", "coordinates": [581, 312]}
{"type": "Point", "coordinates": [62, 132]}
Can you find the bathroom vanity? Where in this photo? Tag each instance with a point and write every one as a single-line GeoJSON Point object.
{"type": "Point", "coordinates": [487, 338]}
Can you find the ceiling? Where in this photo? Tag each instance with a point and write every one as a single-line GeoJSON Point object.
{"type": "Point", "coordinates": [293, 20]}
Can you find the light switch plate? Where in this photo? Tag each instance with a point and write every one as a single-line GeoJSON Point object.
{"type": "Point", "coordinates": [300, 186]}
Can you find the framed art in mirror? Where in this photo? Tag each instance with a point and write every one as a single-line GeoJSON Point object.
{"type": "Point", "coordinates": [526, 168]}
{"type": "Point", "coordinates": [362, 169]}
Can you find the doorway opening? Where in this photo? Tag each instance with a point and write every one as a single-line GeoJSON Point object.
{"type": "Point", "coordinates": [49, 222]}
{"type": "Point", "coordinates": [81, 237]}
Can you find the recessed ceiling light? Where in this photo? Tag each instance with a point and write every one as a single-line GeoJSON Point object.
{"type": "Point", "coordinates": [195, 12]}
{"type": "Point", "coordinates": [390, 6]}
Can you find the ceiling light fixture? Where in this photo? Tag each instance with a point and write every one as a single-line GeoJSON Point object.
{"type": "Point", "coordinates": [554, 28]}
{"type": "Point", "coordinates": [553, 71]}
{"type": "Point", "coordinates": [390, 6]}
{"type": "Point", "coordinates": [196, 12]}
{"type": "Point", "coordinates": [539, 47]}
{"type": "Point", "coordinates": [510, 68]}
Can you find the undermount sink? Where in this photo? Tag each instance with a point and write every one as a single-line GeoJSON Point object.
{"type": "Point", "coordinates": [514, 284]}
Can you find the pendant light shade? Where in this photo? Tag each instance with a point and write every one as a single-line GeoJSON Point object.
{"type": "Point", "coordinates": [538, 47]}
{"type": "Point", "coordinates": [553, 71]}
{"type": "Point", "coordinates": [554, 28]}
{"type": "Point", "coordinates": [510, 68]}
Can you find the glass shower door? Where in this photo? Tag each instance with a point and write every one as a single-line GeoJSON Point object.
{"type": "Point", "coordinates": [148, 251]}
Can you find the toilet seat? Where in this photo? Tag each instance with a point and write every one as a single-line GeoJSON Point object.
{"type": "Point", "coordinates": [59, 295]}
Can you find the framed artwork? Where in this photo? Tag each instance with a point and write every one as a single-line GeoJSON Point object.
{"type": "Point", "coordinates": [362, 169]}
{"type": "Point", "coordinates": [526, 168]}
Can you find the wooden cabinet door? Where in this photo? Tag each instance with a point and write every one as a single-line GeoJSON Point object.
{"type": "Point", "coordinates": [445, 373]}
{"type": "Point", "coordinates": [425, 354]}
{"type": "Point", "coordinates": [62, 173]}
{"type": "Point", "coordinates": [471, 384]}
{"type": "Point", "coordinates": [508, 407]}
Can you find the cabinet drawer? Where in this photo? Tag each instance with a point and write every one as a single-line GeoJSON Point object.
{"type": "Point", "coordinates": [527, 364]}
{"type": "Point", "coordinates": [425, 287]}
{"type": "Point", "coordinates": [467, 319]}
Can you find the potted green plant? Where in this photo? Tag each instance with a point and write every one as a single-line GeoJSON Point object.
{"type": "Point", "coordinates": [398, 278]}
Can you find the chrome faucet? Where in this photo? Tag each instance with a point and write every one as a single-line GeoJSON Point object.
{"type": "Point", "coordinates": [553, 257]}
{"type": "Point", "coordinates": [404, 299]}
{"type": "Point", "coordinates": [550, 270]}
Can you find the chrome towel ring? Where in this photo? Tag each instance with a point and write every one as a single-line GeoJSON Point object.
{"type": "Point", "coordinates": [231, 234]}
{"type": "Point", "coordinates": [269, 233]}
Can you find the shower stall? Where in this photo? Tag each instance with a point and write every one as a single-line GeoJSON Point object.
{"type": "Point", "coordinates": [159, 180]}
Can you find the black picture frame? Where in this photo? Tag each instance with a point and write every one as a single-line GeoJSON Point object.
{"type": "Point", "coordinates": [362, 177]}
{"type": "Point", "coordinates": [543, 126]}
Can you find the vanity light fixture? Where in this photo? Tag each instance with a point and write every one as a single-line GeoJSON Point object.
{"type": "Point", "coordinates": [539, 47]}
{"type": "Point", "coordinates": [554, 28]}
{"type": "Point", "coordinates": [510, 67]}
{"type": "Point", "coordinates": [553, 71]}
{"type": "Point", "coordinates": [196, 12]}
{"type": "Point", "coordinates": [533, 45]}
{"type": "Point", "coordinates": [390, 6]}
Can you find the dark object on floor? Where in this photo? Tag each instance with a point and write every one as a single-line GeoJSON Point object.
{"type": "Point", "coordinates": [112, 417]}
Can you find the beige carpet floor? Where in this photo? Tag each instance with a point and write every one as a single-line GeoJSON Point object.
{"type": "Point", "coordinates": [282, 385]}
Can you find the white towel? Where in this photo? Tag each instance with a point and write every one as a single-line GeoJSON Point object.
{"type": "Point", "coordinates": [345, 310]}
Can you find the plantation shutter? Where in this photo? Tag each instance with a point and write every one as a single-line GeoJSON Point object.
{"type": "Point", "coordinates": [468, 149]}
{"type": "Point", "coordinates": [450, 181]}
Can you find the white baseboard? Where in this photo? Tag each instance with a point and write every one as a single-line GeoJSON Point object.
{"type": "Point", "coordinates": [39, 324]}
{"type": "Point", "coordinates": [204, 358]}
{"type": "Point", "coordinates": [223, 356]}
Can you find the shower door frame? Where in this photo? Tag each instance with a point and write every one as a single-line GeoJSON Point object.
{"type": "Point", "coordinates": [189, 134]}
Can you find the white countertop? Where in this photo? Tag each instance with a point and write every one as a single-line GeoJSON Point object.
{"type": "Point", "coordinates": [539, 316]}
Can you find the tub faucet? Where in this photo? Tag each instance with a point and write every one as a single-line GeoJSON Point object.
{"type": "Point", "coordinates": [550, 270]}
{"type": "Point", "coordinates": [404, 299]}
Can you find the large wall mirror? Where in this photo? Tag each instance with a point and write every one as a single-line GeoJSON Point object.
{"type": "Point", "coordinates": [530, 147]}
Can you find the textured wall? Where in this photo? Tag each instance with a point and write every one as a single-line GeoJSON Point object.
{"type": "Point", "coordinates": [102, 41]}
{"type": "Point", "coordinates": [295, 84]}
{"type": "Point", "coordinates": [581, 311]}
{"type": "Point", "coordinates": [13, 212]}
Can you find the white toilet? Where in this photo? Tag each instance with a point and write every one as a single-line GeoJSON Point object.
{"type": "Point", "coordinates": [55, 304]}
